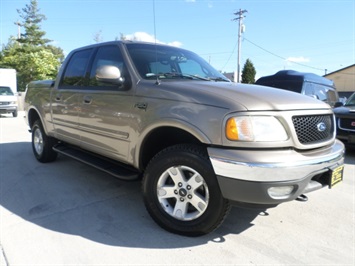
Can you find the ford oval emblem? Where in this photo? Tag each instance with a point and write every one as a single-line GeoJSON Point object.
{"type": "Point", "coordinates": [321, 127]}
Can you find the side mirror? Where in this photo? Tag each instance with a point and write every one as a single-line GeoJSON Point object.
{"type": "Point", "coordinates": [109, 74]}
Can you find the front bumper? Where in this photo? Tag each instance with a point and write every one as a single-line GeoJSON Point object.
{"type": "Point", "coordinates": [7, 109]}
{"type": "Point", "coordinates": [347, 137]}
{"type": "Point", "coordinates": [245, 176]}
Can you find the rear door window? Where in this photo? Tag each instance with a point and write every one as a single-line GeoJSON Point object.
{"type": "Point", "coordinates": [75, 72]}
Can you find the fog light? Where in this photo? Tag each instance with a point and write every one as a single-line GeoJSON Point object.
{"type": "Point", "coordinates": [280, 192]}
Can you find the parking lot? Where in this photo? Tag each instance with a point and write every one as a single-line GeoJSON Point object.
{"type": "Point", "coordinates": [67, 213]}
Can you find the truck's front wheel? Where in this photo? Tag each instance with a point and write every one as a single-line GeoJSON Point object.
{"type": "Point", "coordinates": [42, 145]}
{"type": "Point", "coordinates": [181, 192]}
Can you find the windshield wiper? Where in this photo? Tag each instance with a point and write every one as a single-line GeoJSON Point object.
{"type": "Point", "coordinates": [177, 75]}
{"type": "Point", "coordinates": [219, 79]}
{"type": "Point", "coordinates": [195, 77]}
{"type": "Point", "coordinates": [168, 75]}
{"type": "Point", "coordinates": [184, 75]}
{"type": "Point", "coordinates": [207, 79]}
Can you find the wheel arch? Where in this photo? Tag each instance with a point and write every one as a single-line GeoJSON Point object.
{"type": "Point", "coordinates": [159, 137]}
{"type": "Point", "coordinates": [33, 116]}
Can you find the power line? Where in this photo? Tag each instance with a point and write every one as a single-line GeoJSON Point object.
{"type": "Point", "coordinates": [230, 56]}
{"type": "Point", "coordinates": [297, 63]}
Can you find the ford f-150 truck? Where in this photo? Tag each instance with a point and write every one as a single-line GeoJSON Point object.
{"type": "Point", "coordinates": [199, 142]}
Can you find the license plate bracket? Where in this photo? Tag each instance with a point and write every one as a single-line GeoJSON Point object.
{"type": "Point", "coordinates": [336, 176]}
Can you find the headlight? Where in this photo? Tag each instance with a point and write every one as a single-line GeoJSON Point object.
{"type": "Point", "coordinates": [255, 128]}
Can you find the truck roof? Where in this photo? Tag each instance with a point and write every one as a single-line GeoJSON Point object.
{"type": "Point", "coordinates": [292, 75]}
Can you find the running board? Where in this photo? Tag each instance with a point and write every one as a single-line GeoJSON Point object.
{"type": "Point", "coordinates": [109, 166]}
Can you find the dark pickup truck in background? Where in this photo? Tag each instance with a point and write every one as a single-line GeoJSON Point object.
{"type": "Point", "coordinates": [345, 121]}
{"type": "Point", "coordinates": [198, 141]}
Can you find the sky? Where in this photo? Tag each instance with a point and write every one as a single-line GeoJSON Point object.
{"type": "Point", "coordinates": [316, 36]}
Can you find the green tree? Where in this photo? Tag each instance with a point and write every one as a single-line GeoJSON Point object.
{"type": "Point", "coordinates": [32, 20]}
{"type": "Point", "coordinates": [31, 55]}
{"type": "Point", "coordinates": [248, 72]}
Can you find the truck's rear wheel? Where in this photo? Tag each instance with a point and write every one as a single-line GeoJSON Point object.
{"type": "Point", "coordinates": [181, 191]}
{"type": "Point", "coordinates": [42, 145]}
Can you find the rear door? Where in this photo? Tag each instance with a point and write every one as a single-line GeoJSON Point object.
{"type": "Point", "coordinates": [65, 99]}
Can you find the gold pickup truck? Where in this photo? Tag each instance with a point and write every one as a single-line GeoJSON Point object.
{"type": "Point", "coordinates": [199, 142]}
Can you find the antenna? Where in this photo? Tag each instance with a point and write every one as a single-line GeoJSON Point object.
{"type": "Point", "coordinates": [157, 82]}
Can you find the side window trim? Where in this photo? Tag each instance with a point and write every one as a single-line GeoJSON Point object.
{"type": "Point", "coordinates": [91, 69]}
{"type": "Point", "coordinates": [86, 71]}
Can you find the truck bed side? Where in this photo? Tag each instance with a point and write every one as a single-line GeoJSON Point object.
{"type": "Point", "coordinates": [37, 101]}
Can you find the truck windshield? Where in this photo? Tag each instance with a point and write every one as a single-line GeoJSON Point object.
{"type": "Point", "coordinates": [6, 91]}
{"type": "Point", "coordinates": [321, 92]}
{"type": "Point", "coordinates": [165, 62]}
{"type": "Point", "coordinates": [351, 100]}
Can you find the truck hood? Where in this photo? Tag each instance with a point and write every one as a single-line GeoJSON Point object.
{"type": "Point", "coordinates": [232, 96]}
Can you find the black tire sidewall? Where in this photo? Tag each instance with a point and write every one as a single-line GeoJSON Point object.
{"type": "Point", "coordinates": [47, 155]}
{"type": "Point", "coordinates": [195, 158]}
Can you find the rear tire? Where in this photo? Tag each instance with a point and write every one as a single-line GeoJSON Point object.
{"type": "Point", "coordinates": [181, 192]}
{"type": "Point", "coordinates": [42, 145]}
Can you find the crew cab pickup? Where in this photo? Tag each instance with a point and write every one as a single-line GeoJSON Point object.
{"type": "Point", "coordinates": [198, 142]}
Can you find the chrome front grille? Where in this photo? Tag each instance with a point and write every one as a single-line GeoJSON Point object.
{"type": "Point", "coordinates": [314, 128]}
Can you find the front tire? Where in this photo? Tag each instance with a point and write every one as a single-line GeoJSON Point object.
{"type": "Point", "coordinates": [42, 145]}
{"type": "Point", "coordinates": [181, 192]}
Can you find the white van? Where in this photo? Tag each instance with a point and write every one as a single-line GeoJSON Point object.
{"type": "Point", "coordinates": [8, 92]}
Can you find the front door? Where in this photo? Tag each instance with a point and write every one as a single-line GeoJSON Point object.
{"type": "Point", "coordinates": [104, 116]}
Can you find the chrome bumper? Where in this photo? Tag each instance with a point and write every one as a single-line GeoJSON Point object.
{"type": "Point", "coordinates": [273, 166]}
{"type": "Point", "coordinates": [246, 175]}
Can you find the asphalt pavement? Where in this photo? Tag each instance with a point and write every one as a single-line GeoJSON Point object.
{"type": "Point", "coordinates": [67, 213]}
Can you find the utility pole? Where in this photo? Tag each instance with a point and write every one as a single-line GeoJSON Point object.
{"type": "Point", "coordinates": [18, 29]}
{"type": "Point", "coordinates": [239, 17]}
